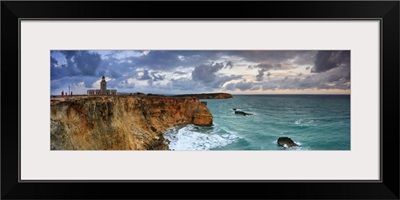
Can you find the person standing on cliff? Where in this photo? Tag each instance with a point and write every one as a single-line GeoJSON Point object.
{"type": "Point", "coordinates": [62, 93]}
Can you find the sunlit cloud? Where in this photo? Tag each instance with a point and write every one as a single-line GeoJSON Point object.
{"type": "Point", "coordinates": [186, 71]}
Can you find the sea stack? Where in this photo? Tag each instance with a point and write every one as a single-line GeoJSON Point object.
{"type": "Point", "coordinates": [286, 142]}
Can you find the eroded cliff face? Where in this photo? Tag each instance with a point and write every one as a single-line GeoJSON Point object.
{"type": "Point", "coordinates": [121, 122]}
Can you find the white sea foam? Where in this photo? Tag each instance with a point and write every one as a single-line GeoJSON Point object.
{"type": "Point", "coordinates": [298, 143]}
{"type": "Point", "coordinates": [187, 138]}
{"type": "Point", "coordinates": [300, 147]}
{"type": "Point", "coordinates": [302, 122]}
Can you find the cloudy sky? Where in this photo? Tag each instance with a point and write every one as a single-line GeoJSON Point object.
{"type": "Point", "coordinates": [190, 71]}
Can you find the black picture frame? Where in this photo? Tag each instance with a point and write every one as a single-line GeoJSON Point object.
{"type": "Point", "coordinates": [386, 11]}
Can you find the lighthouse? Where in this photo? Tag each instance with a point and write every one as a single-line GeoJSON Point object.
{"type": "Point", "coordinates": [103, 89]}
{"type": "Point", "coordinates": [103, 86]}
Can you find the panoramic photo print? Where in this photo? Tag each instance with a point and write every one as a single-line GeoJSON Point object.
{"type": "Point", "coordinates": [180, 100]}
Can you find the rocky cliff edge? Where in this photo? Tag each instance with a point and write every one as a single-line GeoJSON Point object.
{"type": "Point", "coordinates": [121, 122]}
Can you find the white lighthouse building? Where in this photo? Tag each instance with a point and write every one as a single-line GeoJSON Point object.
{"type": "Point", "coordinates": [103, 89]}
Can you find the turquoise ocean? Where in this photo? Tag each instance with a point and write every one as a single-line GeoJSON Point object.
{"type": "Point", "coordinates": [316, 122]}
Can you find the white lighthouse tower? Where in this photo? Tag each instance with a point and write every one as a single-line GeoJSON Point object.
{"type": "Point", "coordinates": [103, 86]}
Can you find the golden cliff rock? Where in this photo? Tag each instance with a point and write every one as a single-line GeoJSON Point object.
{"type": "Point", "coordinates": [121, 122]}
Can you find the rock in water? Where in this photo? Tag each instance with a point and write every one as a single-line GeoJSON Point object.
{"type": "Point", "coordinates": [286, 142]}
{"type": "Point", "coordinates": [241, 113]}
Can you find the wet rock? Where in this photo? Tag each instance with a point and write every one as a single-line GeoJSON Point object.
{"type": "Point", "coordinates": [286, 142]}
{"type": "Point", "coordinates": [242, 113]}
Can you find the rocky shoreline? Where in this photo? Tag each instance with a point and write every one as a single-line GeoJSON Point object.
{"type": "Point", "coordinates": [121, 122]}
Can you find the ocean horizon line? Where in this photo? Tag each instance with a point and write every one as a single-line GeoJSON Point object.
{"type": "Point", "coordinates": [293, 94]}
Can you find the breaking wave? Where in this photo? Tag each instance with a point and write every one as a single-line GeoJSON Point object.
{"type": "Point", "coordinates": [193, 137]}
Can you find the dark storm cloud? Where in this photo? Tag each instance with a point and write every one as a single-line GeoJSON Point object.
{"type": "Point", "coordinates": [123, 85]}
{"type": "Point", "coordinates": [242, 85]}
{"type": "Point", "coordinates": [205, 78]}
{"type": "Point", "coordinates": [326, 60]}
{"type": "Point", "coordinates": [116, 68]}
{"type": "Point", "coordinates": [151, 76]}
{"type": "Point", "coordinates": [78, 63]}
{"type": "Point", "coordinates": [157, 77]}
{"type": "Point", "coordinates": [167, 60]}
{"type": "Point", "coordinates": [171, 59]}
{"type": "Point", "coordinates": [53, 62]}
{"type": "Point", "coordinates": [89, 81]}
{"type": "Point", "coordinates": [145, 76]}
{"type": "Point", "coordinates": [157, 60]}
{"type": "Point", "coordinates": [270, 85]}
{"type": "Point", "coordinates": [120, 83]}
{"type": "Point", "coordinates": [108, 72]}
{"type": "Point", "coordinates": [268, 66]}
{"type": "Point", "coordinates": [179, 73]}
{"type": "Point", "coordinates": [206, 73]}
{"type": "Point", "coordinates": [260, 75]}
{"type": "Point", "coordinates": [150, 82]}
{"type": "Point", "coordinates": [265, 67]}
{"type": "Point", "coordinates": [113, 73]}
{"type": "Point", "coordinates": [230, 86]}
{"type": "Point", "coordinates": [275, 56]}
{"type": "Point", "coordinates": [336, 78]}
{"type": "Point", "coordinates": [161, 69]}
{"type": "Point", "coordinates": [221, 80]}
{"type": "Point", "coordinates": [57, 71]}
{"type": "Point", "coordinates": [85, 61]}
{"type": "Point", "coordinates": [229, 64]}
{"type": "Point", "coordinates": [66, 82]}
{"type": "Point", "coordinates": [305, 58]}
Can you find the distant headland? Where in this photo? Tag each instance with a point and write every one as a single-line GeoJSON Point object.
{"type": "Point", "coordinates": [207, 95]}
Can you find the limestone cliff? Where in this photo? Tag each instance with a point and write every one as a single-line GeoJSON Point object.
{"type": "Point", "coordinates": [121, 122]}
